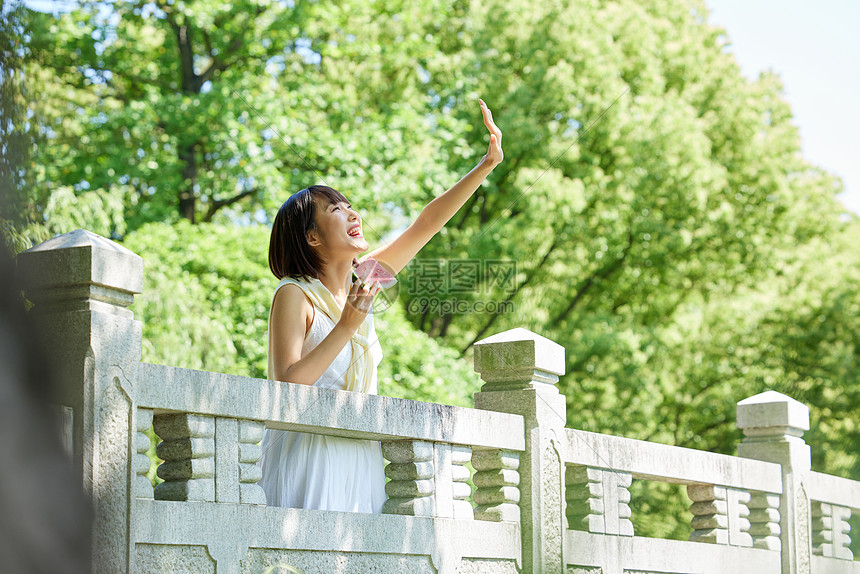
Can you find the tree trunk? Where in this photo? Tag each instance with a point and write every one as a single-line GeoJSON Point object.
{"type": "Point", "coordinates": [191, 84]}
{"type": "Point", "coordinates": [187, 199]}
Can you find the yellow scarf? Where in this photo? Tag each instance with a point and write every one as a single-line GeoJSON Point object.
{"type": "Point", "coordinates": [366, 351]}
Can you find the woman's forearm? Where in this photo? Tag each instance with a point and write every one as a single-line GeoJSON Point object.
{"type": "Point", "coordinates": [308, 369]}
{"type": "Point", "coordinates": [439, 211]}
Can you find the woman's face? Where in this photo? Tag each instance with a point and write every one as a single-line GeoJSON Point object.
{"type": "Point", "coordinates": [338, 230]}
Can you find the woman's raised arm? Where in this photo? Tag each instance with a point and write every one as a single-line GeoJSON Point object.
{"type": "Point", "coordinates": [440, 210]}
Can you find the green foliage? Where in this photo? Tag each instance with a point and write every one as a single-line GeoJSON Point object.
{"type": "Point", "coordinates": [14, 27]}
{"type": "Point", "coordinates": [658, 211]}
{"type": "Point", "coordinates": [204, 301]}
{"type": "Point", "coordinates": [660, 510]}
{"type": "Point", "coordinates": [209, 110]}
{"type": "Point", "coordinates": [418, 367]}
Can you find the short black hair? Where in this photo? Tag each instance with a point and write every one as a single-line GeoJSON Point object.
{"type": "Point", "coordinates": [289, 252]}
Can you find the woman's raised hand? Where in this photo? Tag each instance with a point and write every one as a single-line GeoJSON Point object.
{"type": "Point", "coordinates": [494, 154]}
{"type": "Point", "coordinates": [358, 303]}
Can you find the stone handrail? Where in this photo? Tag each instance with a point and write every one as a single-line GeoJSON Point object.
{"type": "Point", "coordinates": [547, 499]}
{"type": "Point", "coordinates": [671, 464]}
{"type": "Point", "coordinates": [305, 408]}
{"type": "Point", "coordinates": [834, 490]}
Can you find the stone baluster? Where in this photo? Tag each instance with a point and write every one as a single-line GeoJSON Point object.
{"type": "Point", "coordinates": [854, 524]}
{"type": "Point", "coordinates": [830, 531]}
{"type": "Point", "coordinates": [250, 452]}
{"type": "Point", "coordinates": [764, 520]}
{"type": "Point", "coordinates": [584, 496]}
{"type": "Point", "coordinates": [460, 456]}
{"type": "Point", "coordinates": [720, 515]}
{"type": "Point", "coordinates": [427, 479]}
{"type": "Point", "coordinates": [598, 500]}
{"type": "Point", "coordinates": [773, 426]}
{"type": "Point", "coordinates": [710, 513]}
{"type": "Point", "coordinates": [142, 464]}
{"type": "Point", "coordinates": [496, 481]}
{"type": "Point", "coordinates": [188, 451]}
{"type": "Point", "coordinates": [520, 370]}
{"type": "Point", "coordinates": [411, 488]}
{"type": "Point", "coordinates": [81, 286]}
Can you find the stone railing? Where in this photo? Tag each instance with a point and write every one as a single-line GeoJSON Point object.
{"type": "Point", "coordinates": [546, 498]}
{"type": "Point", "coordinates": [211, 426]}
{"type": "Point", "coordinates": [735, 507]}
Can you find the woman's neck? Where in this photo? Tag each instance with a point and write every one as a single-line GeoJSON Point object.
{"type": "Point", "coordinates": [336, 277]}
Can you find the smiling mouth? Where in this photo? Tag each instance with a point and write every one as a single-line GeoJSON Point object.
{"type": "Point", "coordinates": [355, 233]}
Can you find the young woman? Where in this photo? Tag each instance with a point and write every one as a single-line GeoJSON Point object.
{"type": "Point", "coordinates": [321, 333]}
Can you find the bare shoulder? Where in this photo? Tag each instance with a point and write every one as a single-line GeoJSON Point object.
{"type": "Point", "coordinates": [290, 302]}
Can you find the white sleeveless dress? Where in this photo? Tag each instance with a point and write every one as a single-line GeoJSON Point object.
{"type": "Point", "coordinates": [302, 470]}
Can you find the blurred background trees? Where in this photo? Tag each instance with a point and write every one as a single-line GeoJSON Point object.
{"type": "Point", "coordinates": [661, 220]}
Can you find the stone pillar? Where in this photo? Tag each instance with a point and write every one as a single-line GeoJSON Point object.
{"type": "Point", "coordinates": [773, 426]}
{"type": "Point", "coordinates": [427, 479]}
{"type": "Point", "coordinates": [460, 489]}
{"type": "Point", "coordinates": [81, 285]}
{"type": "Point", "coordinates": [521, 369]}
{"type": "Point", "coordinates": [450, 481]}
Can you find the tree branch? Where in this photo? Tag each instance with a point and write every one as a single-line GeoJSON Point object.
{"type": "Point", "coordinates": [217, 64]}
{"type": "Point", "coordinates": [509, 298]}
{"type": "Point", "coordinates": [219, 203]}
{"type": "Point", "coordinates": [589, 282]}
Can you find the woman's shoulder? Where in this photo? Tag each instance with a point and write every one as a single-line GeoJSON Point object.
{"type": "Point", "coordinates": [291, 294]}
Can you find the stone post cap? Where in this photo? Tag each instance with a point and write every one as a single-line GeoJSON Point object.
{"type": "Point", "coordinates": [77, 258]}
{"type": "Point", "coordinates": [772, 410]}
{"type": "Point", "coordinates": [519, 357]}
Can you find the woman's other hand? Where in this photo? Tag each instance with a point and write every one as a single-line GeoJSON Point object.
{"type": "Point", "coordinates": [358, 303]}
{"type": "Point", "coordinates": [494, 154]}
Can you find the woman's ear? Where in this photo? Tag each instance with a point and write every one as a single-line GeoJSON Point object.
{"type": "Point", "coordinates": [313, 238]}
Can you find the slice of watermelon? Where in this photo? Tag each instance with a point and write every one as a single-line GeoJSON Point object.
{"type": "Point", "coordinates": [371, 271]}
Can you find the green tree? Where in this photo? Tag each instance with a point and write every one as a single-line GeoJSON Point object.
{"type": "Point", "coordinates": [650, 191]}
{"type": "Point", "coordinates": [14, 133]}
{"type": "Point", "coordinates": [197, 108]}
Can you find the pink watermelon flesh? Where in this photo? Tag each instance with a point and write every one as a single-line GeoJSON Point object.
{"type": "Point", "coordinates": [372, 271]}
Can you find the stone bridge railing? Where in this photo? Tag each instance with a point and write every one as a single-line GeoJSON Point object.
{"type": "Point", "coordinates": [547, 499]}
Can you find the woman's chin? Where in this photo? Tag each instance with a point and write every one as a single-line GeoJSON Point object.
{"type": "Point", "coordinates": [361, 244]}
